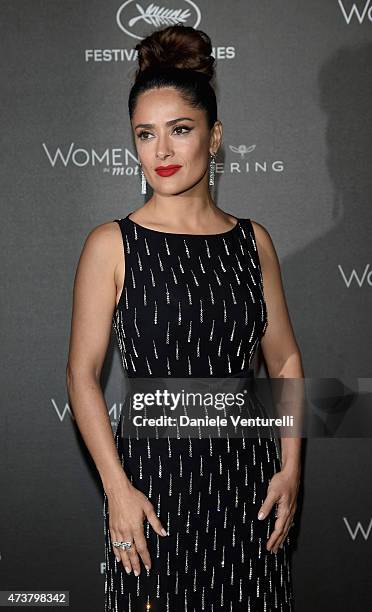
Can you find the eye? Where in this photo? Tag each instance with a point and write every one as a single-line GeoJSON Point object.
{"type": "Point", "coordinates": [183, 127]}
{"type": "Point", "coordinates": [140, 134]}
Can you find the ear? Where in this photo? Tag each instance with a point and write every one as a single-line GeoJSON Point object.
{"type": "Point", "coordinates": [216, 137]}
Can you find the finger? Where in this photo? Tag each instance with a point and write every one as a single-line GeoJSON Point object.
{"type": "Point", "coordinates": [275, 535]}
{"type": "Point", "coordinates": [115, 550]}
{"type": "Point", "coordinates": [287, 527]}
{"type": "Point", "coordinates": [134, 559]}
{"type": "Point", "coordinates": [154, 520]}
{"type": "Point", "coordinates": [132, 551]}
{"type": "Point", "coordinates": [267, 506]}
{"type": "Point", "coordinates": [128, 554]}
{"type": "Point", "coordinates": [119, 552]}
{"type": "Point", "coordinates": [141, 547]}
{"type": "Point", "coordinates": [125, 560]}
{"type": "Point", "coordinates": [283, 513]}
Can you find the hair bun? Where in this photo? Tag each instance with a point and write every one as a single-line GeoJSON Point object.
{"type": "Point", "coordinates": [176, 46]}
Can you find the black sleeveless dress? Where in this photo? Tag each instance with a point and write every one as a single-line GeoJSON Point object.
{"type": "Point", "coordinates": [193, 305]}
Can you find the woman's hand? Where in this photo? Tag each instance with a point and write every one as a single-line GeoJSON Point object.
{"type": "Point", "coordinates": [282, 490]}
{"type": "Point", "coordinates": [128, 507]}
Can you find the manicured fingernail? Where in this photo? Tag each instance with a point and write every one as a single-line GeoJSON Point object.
{"type": "Point", "coordinates": [260, 515]}
{"type": "Point", "coordinates": [163, 532]}
{"type": "Point", "coordinates": [128, 570]}
{"type": "Point", "coordinates": [136, 572]}
{"type": "Point", "coordinates": [147, 567]}
{"type": "Point", "coordinates": [117, 559]}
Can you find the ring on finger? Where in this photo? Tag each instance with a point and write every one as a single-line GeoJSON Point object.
{"type": "Point", "coordinates": [123, 545]}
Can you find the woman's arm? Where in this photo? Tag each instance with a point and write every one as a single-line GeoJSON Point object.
{"type": "Point", "coordinates": [279, 346]}
{"type": "Point", "coordinates": [94, 300]}
{"type": "Point", "coordinates": [283, 360]}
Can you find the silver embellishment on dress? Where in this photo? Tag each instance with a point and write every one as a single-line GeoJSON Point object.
{"type": "Point", "coordinates": [160, 263]}
{"type": "Point", "coordinates": [236, 275]}
{"type": "Point", "coordinates": [223, 556]}
{"type": "Point", "coordinates": [194, 277]}
{"type": "Point", "coordinates": [167, 334]}
{"type": "Point", "coordinates": [221, 263]}
{"type": "Point", "coordinates": [189, 333]}
{"type": "Point", "coordinates": [180, 265]}
{"type": "Point", "coordinates": [217, 277]}
{"type": "Point", "coordinates": [232, 294]}
{"type": "Point", "coordinates": [155, 313]}
{"type": "Point", "coordinates": [201, 265]}
{"type": "Point", "coordinates": [174, 276]}
{"type": "Point", "coordinates": [186, 248]}
{"type": "Point", "coordinates": [189, 294]}
{"type": "Point", "coordinates": [232, 331]}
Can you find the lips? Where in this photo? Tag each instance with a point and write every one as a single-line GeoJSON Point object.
{"type": "Point", "coordinates": [167, 170]}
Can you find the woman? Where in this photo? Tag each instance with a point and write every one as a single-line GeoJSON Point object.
{"type": "Point", "coordinates": [183, 284]}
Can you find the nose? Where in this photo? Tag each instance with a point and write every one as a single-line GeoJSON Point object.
{"type": "Point", "coordinates": [163, 149]}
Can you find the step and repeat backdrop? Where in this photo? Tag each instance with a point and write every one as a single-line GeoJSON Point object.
{"type": "Point", "coordinates": [294, 93]}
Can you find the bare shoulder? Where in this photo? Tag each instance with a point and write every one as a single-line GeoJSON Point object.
{"type": "Point", "coordinates": [101, 261]}
{"type": "Point", "coordinates": [103, 233]}
{"type": "Point", "coordinates": [104, 241]}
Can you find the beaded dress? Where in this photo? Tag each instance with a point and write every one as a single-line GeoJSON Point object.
{"type": "Point", "coordinates": [193, 305]}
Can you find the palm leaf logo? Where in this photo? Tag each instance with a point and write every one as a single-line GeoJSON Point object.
{"type": "Point", "coordinates": [157, 15]}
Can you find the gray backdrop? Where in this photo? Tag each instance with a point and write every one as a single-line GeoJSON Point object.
{"type": "Point", "coordinates": [294, 85]}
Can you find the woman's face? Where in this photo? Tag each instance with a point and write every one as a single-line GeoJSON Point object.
{"type": "Point", "coordinates": [168, 131]}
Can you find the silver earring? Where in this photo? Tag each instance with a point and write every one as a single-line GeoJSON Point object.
{"type": "Point", "coordinates": [143, 182]}
{"type": "Point", "coordinates": [212, 168]}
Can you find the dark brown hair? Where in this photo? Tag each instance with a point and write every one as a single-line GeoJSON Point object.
{"type": "Point", "coordinates": [177, 56]}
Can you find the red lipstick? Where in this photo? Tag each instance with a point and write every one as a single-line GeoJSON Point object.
{"type": "Point", "coordinates": [167, 170]}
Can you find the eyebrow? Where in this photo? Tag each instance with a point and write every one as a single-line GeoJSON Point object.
{"type": "Point", "coordinates": [171, 122]}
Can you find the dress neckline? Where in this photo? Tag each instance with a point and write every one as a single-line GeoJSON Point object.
{"type": "Point", "coordinates": [152, 231]}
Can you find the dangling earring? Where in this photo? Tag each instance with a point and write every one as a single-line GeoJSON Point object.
{"type": "Point", "coordinates": [212, 168]}
{"type": "Point", "coordinates": [143, 182]}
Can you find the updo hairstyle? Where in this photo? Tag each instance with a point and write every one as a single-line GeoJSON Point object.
{"type": "Point", "coordinates": [177, 56]}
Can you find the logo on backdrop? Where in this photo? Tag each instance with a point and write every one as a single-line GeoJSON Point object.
{"type": "Point", "coordinates": [357, 13]}
{"type": "Point", "coordinates": [120, 161]}
{"type": "Point", "coordinates": [64, 412]}
{"type": "Point", "coordinates": [116, 161]}
{"type": "Point", "coordinates": [138, 19]}
{"type": "Point", "coordinates": [354, 277]}
{"type": "Point", "coordinates": [247, 166]}
{"type": "Point", "coordinates": [354, 531]}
